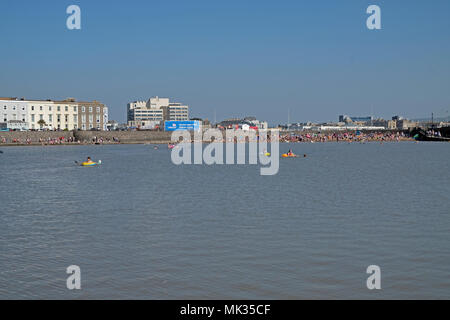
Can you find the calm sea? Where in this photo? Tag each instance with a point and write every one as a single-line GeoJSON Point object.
{"type": "Point", "coordinates": [140, 227]}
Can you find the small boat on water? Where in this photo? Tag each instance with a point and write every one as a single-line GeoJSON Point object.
{"type": "Point", "coordinates": [440, 135]}
{"type": "Point", "coordinates": [287, 155]}
{"type": "Point", "coordinates": [89, 163]}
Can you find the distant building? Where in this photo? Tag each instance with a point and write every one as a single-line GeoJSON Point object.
{"type": "Point", "coordinates": [92, 115]}
{"type": "Point", "coordinates": [261, 125]}
{"type": "Point", "coordinates": [150, 114]}
{"type": "Point", "coordinates": [379, 123]}
{"type": "Point", "coordinates": [232, 123]}
{"type": "Point", "coordinates": [13, 109]}
{"type": "Point", "coordinates": [347, 119]}
{"type": "Point", "coordinates": [405, 124]}
{"type": "Point", "coordinates": [205, 123]}
{"type": "Point", "coordinates": [176, 112]}
{"type": "Point", "coordinates": [54, 115]}
{"type": "Point", "coordinates": [402, 123]}
{"type": "Point", "coordinates": [244, 124]}
{"type": "Point", "coordinates": [392, 125]}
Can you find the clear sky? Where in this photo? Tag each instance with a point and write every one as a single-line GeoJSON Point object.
{"type": "Point", "coordinates": [240, 58]}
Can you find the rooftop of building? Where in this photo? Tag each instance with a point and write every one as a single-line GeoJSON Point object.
{"type": "Point", "coordinates": [65, 101]}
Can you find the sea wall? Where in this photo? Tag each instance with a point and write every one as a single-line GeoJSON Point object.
{"type": "Point", "coordinates": [33, 136]}
{"type": "Point", "coordinates": [124, 136]}
{"type": "Point", "coordinates": [156, 137]}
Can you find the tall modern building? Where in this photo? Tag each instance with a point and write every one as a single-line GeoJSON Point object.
{"type": "Point", "coordinates": [176, 112]}
{"type": "Point", "coordinates": [151, 113]}
{"type": "Point", "coordinates": [53, 115]}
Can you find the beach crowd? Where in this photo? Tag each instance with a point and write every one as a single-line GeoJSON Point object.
{"type": "Point", "coordinates": [346, 137]}
{"type": "Point", "coordinates": [58, 141]}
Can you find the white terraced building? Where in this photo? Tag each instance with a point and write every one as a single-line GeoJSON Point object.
{"type": "Point", "coordinates": [52, 115]}
{"type": "Point", "coordinates": [60, 116]}
{"type": "Point", "coordinates": [13, 110]}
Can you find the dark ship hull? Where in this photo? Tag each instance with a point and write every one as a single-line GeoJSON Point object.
{"type": "Point", "coordinates": [421, 135]}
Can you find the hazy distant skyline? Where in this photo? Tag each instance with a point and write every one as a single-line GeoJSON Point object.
{"type": "Point", "coordinates": [235, 58]}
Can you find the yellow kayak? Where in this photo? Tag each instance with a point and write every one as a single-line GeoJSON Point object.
{"type": "Point", "coordinates": [90, 164]}
{"type": "Point", "coordinates": [289, 155]}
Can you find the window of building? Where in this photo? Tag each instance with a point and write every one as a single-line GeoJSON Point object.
{"type": "Point", "coordinates": [32, 108]}
{"type": "Point", "coordinates": [59, 118]}
{"type": "Point", "coordinates": [50, 118]}
{"type": "Point", "coordinates": [58, 108]}
{"type": "Point", "coordinates": [75, 118]}
{"type": "Point", "coordinates": [4, 108]}
{"type": "Point", "coordinates": [83, 118]}
{"type": "Point", "coordinates": [41, 117]}
{"type": "Point", "coordinates": [98, 118]}
{"type": "Point", "coordinates": [91, 118]}
{"type": "Point", "coordinates": [67, 118]}
{"type": "Point", "coordinates": [40, 108]}
{"type": "Point", "coordinates": [83, 109]}
{"type": "Point", "coordinates": [74, 109]}
{"type": "Point", "coordinates": [90, 109]}
{"type": "Point", "coordinates": [98, 109]}
{"type": "Point", "coordinates": [50, 108]}
{"type": "Point", "coordinates": [66, 108]}
{"type": "Point", "coordinates": [32, 118]}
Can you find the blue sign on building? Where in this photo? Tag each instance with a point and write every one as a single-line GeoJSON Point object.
{"type": "Point", "coordinates": [181, 125]}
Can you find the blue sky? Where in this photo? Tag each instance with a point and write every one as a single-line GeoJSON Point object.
{"type": "Point", "coordinates": [238, 58]}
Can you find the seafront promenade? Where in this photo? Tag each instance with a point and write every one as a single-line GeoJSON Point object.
{"type": "Point", "coordinates": [36, 138]}
{"type": "Point", "coordinates": [33, 138]}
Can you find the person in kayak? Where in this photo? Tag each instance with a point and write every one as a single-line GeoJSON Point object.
{"type": "Point", "coordinates": [89, 160]}
{"type": "Point", "coordinates": [290, 154]}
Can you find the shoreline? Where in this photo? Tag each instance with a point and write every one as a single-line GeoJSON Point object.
{"type": "Point", "coordinates": [162, 143]}
{"type": "Point", "coordinates": [85, 138]}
